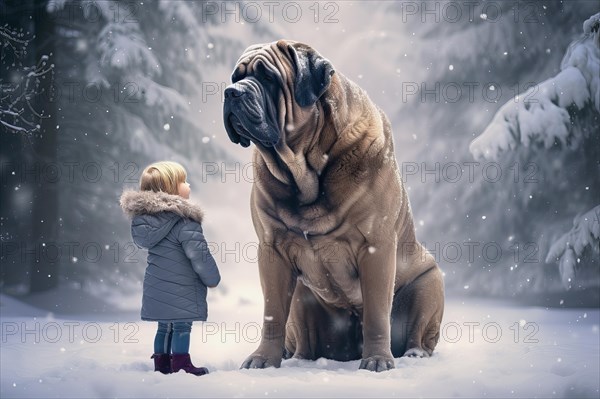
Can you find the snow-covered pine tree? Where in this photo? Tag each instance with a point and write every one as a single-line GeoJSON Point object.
{"type": "Point", "coordinates": [497, 49]}
{"type": "Point", "coordinates": [562, 114]}
{"type": "Point", "coordinates": [546, 114]}
{"type": "Point", "coordinates": [128, 75]}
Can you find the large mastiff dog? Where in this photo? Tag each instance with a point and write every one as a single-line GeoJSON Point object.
{"type": "Point", "coordinates": [342, 274]}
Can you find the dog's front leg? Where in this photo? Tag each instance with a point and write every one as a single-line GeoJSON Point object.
{"type": "Point", "coordinates": [377, 270]}
{"type": "Point", "coordinates": [278, 283]}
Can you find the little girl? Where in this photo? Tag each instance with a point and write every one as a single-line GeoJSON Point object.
{"type": "Point", "coordinates": [180, 266]}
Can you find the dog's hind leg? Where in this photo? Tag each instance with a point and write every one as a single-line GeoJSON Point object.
{"type": "Point", "coordinates": [417, 312]}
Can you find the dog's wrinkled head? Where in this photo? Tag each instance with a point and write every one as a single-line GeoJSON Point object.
{"type": "Point", "coordinates": [269, 82]}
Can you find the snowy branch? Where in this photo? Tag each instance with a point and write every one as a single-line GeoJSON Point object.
{"type": "Point", "coordinates": [541, 115]}
{"type": "Point", "coordinates": [17, 114]}
{"type": "Point", "coordinates": [568, 248]}
{"type": "Point", "coordinates": [155, 95]}
{"type": "Point", "coordinates": [122, 47]}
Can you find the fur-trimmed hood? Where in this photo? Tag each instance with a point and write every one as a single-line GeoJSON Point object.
{"type": "Point", "coordinates": [136, 203]}
{"type": "Point", "coordinates": [154, 214]}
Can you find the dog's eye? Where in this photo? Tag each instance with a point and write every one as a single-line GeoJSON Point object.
{"type": "Point", "coordinates": [236, 77]}
{"type": "Point", "coordinates": [238, 74]}
{"type": "Point", "coordinates": [263, 72]}
{"type": "Point", "coordinates": [270, 76]}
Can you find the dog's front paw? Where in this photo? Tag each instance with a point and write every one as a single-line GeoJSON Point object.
{"type": "Point", "coordinates": [377, 363]}
{"type": "Point", "coordinates": [259, 360]}
{"type": "Point", "coordinates": [416, 352]}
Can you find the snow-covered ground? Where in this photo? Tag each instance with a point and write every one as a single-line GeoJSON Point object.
{"type": "Point", "coordinates": [487, 349]}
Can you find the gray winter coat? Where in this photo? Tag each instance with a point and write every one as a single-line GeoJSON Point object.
{"type": "Point", "coordinates": [180, 266]}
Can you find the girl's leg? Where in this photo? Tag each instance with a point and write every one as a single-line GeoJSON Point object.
{"type": "Point", "coordinates": [181, 337]}
{"type": "Point", "coordinates": [162, 348]}
{"type": "Point", "coordinates": [162, 341]}
{"type": "Point", "coordinates": [181, 348]}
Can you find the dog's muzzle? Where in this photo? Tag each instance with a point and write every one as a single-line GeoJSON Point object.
{"type": "Point", "coordinates": [245, 117]}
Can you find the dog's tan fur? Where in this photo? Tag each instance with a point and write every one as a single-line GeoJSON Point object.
{"type": "Point", "coordinates": [339, 261]}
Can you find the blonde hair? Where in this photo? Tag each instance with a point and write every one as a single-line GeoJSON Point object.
{"type": "Point", "coordinates": [163, 176]}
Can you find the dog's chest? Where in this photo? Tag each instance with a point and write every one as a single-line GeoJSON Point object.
{"type": "Point", "coordinates": [328, 268]}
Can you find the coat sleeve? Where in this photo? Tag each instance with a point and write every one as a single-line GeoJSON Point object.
{"type": "Point", "coordinates": [196, 249]}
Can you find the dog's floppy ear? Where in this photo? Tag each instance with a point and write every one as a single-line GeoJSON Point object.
{"type": "Point", "coordinates": [313, 74]}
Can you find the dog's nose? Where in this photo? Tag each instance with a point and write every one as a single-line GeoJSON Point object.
{"type": "Point", "coordinates": [233, 91]}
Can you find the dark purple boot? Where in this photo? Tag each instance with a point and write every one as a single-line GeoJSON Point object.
{"type": "Point", "coordinates": [162, 362]}
{"type": "Point", "coordinates": [182, 361]}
